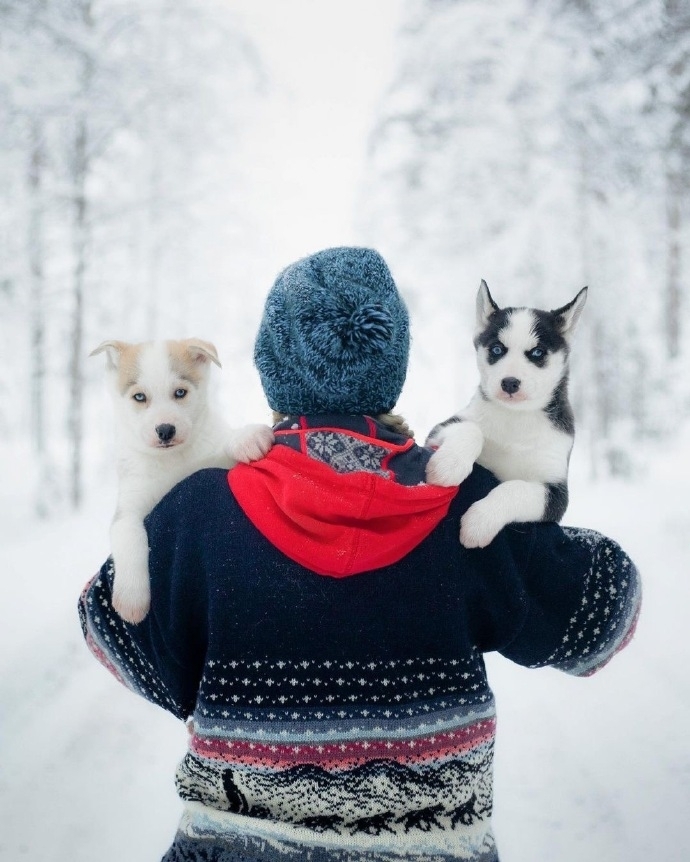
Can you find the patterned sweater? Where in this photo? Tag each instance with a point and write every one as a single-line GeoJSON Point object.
{"type": "Point", "coordinates": [337, 699]}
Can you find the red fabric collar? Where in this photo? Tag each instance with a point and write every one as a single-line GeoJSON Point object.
{"type": "Point", "coordinates": [335, 524]}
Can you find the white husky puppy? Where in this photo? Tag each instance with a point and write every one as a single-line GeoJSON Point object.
{"type": "Point", "coordinates": [519, 424]}
{"type": "Point", "coordinates": [165, 431]}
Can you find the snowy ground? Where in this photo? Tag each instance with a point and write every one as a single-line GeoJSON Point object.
{"type": "Point", "coordinates": [587, 770]}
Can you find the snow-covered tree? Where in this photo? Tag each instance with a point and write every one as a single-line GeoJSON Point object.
{"type": "Point", "coordinates": [528, 143]}
{"type": "Point", "coordinates": [121, 122]}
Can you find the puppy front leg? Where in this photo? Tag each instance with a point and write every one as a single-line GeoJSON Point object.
{"type": "Point", "coordinates": [459, 445]}
{"type": "Point", "coordinates": [130, 549]}
{"type": "Point", "coordinates": [249, 443]}
{"type": "Point", "coordinates": [510, 502]}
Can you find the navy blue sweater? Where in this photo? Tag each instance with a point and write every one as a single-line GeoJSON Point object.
{"type": "Point", "coordinates": [347, 718]}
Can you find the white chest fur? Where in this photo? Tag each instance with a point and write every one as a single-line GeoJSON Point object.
{"type": "Point", "coordinates": [520, 445]}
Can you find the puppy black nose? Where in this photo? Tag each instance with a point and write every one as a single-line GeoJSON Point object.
{"type": "Point", "coordinates": [510, 385]}
{"type": "Point", "coordinates": [165, 432]}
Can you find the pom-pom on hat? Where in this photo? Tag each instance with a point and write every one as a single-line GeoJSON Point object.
{"type": "Point", "coordinates": [334, 337]}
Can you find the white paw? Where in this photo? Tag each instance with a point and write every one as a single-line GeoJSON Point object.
{"type": "Point", "coordinates": [460, 446]}
{"type": "Point", "coordinates": [448, 467]}
{"type": "Point", "coordinates": [250, 443]}
{"type": "Point", "coordinates": [480, 525]}
{"type": "Point", "coordinates": [132, 596]}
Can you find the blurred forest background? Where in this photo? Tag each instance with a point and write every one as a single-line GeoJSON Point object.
{"type": "Point", "coordinates": [539, 144]}
{"type": "Point", "coordinates": [162, 160]}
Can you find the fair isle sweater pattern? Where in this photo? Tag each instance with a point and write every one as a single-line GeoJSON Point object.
{"type": "Point", "coordinates": [382, 757]}
{"type": "Point", "coordinates": [607, 617]}
{"type": "Point", "coordinates": [407, 743]}
{"type": "Point", "coordinates": [369, 446]}
{"type": "Point", "coordinates": [280, 771]}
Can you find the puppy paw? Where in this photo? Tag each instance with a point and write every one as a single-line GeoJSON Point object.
{"type": "Point", "coordinates": [479, 525]}
{"type": "Point", "coordinates": [459, 446]}
{"type": "Point", "coordinates": [250, 443]}
{"type": "Point", "coordinates": [447, 467]}
{"type": "Point", "coordinates": [132, 600]}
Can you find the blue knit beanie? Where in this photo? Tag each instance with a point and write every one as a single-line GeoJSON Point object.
{"type": "Point", "coordinates": [334, 337]}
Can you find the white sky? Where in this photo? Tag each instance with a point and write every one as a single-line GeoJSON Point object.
{"type": "Point", "coordinates": [328, 64]}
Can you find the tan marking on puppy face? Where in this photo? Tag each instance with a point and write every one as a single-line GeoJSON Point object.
{"type": "Point", "coordinates": [190, 358]}
{"type": "Point", "coordinates": [128, 368]}
{"type": "Point", "coordinates": [123, 359]}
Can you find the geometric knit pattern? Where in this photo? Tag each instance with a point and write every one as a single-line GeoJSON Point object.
{"type": "Point", "coordinates": [346, 454]}
{"type": "Point", "coordinates": [266, 746]}
{"type": "Point", "coordinates": [328, 748]}
{"type": "Point", "coordinates": [368, 446]}
{"type": "Point", "coordinates": [606, 619]}
{"type": "Point", "coordinates": [317, 744]}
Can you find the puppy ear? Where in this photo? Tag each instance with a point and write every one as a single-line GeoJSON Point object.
{"type": "Point", "coordinates": [113, 351]}
{"type": "Point", "coordinates": [485, 305]}
{"type": "Point", "coordinates": [569, 314]}
{"type": "Point", "coordinates": [202, 351]}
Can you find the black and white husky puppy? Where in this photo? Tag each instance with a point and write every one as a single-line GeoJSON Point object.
{"type": "Point", "coordinates": [519, 424]}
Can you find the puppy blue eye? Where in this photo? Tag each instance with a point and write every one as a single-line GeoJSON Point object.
{"type": "Point", "coordinates": [180, 393]}
{"type": "Point", "coordinates": [537, 353]}
{"type": "Point", "coordinates": [139, 396]}
{"type": "Point", "coordinates": [497, 349]}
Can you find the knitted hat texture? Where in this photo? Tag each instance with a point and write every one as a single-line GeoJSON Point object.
{"type": "Point", "coordinates": [334, 337]}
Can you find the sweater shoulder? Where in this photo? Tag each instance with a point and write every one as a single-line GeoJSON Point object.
{"type": "Point", "coordinates": [195, 498]}
{"type": "Point", "coordinates": [203, 481]}
{"type": "Point", "coordinates": [212, 480]}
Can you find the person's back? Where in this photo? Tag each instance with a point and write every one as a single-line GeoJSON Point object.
{"type": "Point", "coordinates": [317, 618]}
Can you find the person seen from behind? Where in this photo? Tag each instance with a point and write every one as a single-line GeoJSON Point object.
{"type": "Point", "coordinates": [317, 623]}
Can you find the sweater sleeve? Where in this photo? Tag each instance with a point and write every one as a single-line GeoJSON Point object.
{"type": "Point", "coordinates": [582, 596]}
{"type": "Point", "coordinates": [162, 658]}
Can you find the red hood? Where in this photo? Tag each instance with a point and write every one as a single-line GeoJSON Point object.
{"type": "Point", "coordinates": [335, 524]}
